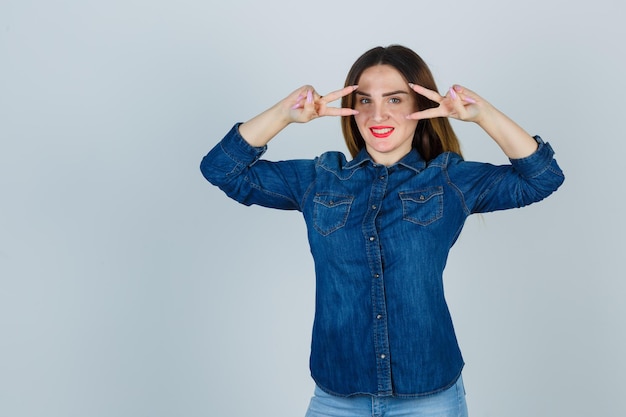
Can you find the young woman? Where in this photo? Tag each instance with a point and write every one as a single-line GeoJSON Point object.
{"type": "Point", "coordinates": [380, 225]}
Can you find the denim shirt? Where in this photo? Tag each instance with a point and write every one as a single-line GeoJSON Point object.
{"type": "Point", "coordinates": [380, 238]}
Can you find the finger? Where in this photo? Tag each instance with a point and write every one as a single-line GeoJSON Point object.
{"type": "Point", "coordinates": [335, 95]}
{"type": "Point", "coordinates": [467, 95]}
{"type": "Point", "coordinates": [427, 114]}
{"type": "Point", "coordinates": [308, 105]}
{"type": "Point", "coordinates": [325, 110]}
{"type": "Point", "coordinates": [298, 102]}
{"type": "Point", "coordinates": [297, 97]}
{"type": "Point", "coordinates": [423, 91]}
{"type": "Point", "coordinates": [459, 103]}
{"type": "Point", "coordinates": [335, 111]}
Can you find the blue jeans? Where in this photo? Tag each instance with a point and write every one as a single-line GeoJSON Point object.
{"type": "Point", "coordinates": [448, 403]}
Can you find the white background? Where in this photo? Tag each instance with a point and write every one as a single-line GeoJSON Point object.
{"type": "Point", "coordinates": [131, 287]}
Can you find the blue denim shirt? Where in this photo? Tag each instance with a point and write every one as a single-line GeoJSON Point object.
{"type": "Point", "coordinates": [380, 238]}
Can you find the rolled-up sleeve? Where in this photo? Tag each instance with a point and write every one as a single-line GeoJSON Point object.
{"type": "Point", "coordinates": [486, 187]}
{"type": "Point", "coordinates": [236, 168]}
{"type": "Point", "coordinates": [229, 157]}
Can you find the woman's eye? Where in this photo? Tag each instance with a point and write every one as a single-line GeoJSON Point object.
{"type": "Point", "coordinates": [364, 100]}
{"type": "Point", "coordinates": [394, 100]}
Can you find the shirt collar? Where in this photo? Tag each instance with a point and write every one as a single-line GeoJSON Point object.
{"type": "Point", "coordinates": [413, 160]}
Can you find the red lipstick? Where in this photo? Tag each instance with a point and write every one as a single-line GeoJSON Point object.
{"type": "Point", "coordinates": [381, 132]}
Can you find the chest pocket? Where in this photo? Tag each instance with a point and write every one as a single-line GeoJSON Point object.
{"type": "Point", "coordinates": [423, 206]}
{"type": "Point", "coordinates": [330, 212]}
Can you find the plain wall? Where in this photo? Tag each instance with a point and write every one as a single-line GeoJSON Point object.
{"type": "Point", "coordinates": [131, 287]}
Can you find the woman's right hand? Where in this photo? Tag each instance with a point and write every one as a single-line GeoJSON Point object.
{"type": "Point", "coordinates": [301, 106]}
{"type": "Point", "coordinates": [305, 104]}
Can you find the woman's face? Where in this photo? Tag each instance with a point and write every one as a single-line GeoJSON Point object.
{"type": "Point", "coordinates": [383, 100]}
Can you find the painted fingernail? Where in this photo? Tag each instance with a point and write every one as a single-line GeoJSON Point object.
{"type": "Point", "coordinates": [411, 85]}
{"type": "Point", "coordinates": [309, 96]}
{"type": "Point", "coordinates": [452, 93]}
{"type": "Point", "coordinates": [298, 101]}
{"type": "Point", "coordinates": [470, 100]}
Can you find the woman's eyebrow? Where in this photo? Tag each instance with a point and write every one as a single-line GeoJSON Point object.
{"type": "Point", "coordinates": [391, 93]}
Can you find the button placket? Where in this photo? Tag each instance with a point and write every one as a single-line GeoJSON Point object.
{"type": "Point", "coordinates": [374, 251]}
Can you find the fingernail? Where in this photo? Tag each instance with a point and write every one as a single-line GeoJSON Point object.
{"type": "Point", "coordinates": [309, 96]}
{"type": "Point", "coordinates": [452, 93]}
{"type": "Point", "coordinates": [411, 85]}
{"type": "Point", "coordinates": [298, 101]}
{"type": "Point", "coordinates": [470, 100]}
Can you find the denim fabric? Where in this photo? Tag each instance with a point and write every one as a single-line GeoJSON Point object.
{"type": "Point", "coordinates": [380, 238]}
{"type": "Point", "coordinates": [448, 403]}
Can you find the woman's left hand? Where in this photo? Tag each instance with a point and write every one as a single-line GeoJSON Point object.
{"type": "Point", "coordinates": [463, 104]}
{"type": "Point", "coordinates": [459, 103]}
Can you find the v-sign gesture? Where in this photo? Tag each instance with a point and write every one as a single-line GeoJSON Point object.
{"type": "Point", "coordinates": [459, 103]}
{"type": "Point", "coordinates": [301, 106]}
{"type": "Point", "coordinates": [463, 104]}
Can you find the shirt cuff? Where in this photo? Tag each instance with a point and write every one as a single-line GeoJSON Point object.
{"type": "Point", "coordinates": [536, 163]}
{"type": "Point", "coordinates": [240, 151]}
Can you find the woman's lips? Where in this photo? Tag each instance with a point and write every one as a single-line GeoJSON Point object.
{"type": "Point", "coordinates": [381, 131]}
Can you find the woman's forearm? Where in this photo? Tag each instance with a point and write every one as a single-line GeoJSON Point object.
{"type": "Point", "coordinates": [301, 106]}
{"type": "Point", "coordinates": [514, 141]}
{"type": "Point", "coordinates": [259, 130]}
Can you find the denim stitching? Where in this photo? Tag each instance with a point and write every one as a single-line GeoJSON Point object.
{"type": "Point", "coordinates": [432, 196]}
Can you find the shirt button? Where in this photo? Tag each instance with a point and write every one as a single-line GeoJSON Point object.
{"type": "Point", "coordinates": [376, 275]}
{"type": "Point", "coordinates": [372, 238]}
{"type": "Point", "coordinates": [380, 316]}
{"type": "Point", "coordinates": [383, 356]}
{"type": "Point", "coordinates": [374, 207]}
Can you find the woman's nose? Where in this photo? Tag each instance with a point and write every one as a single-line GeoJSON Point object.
{"type": "Point", "coordinates": [380, 113]}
